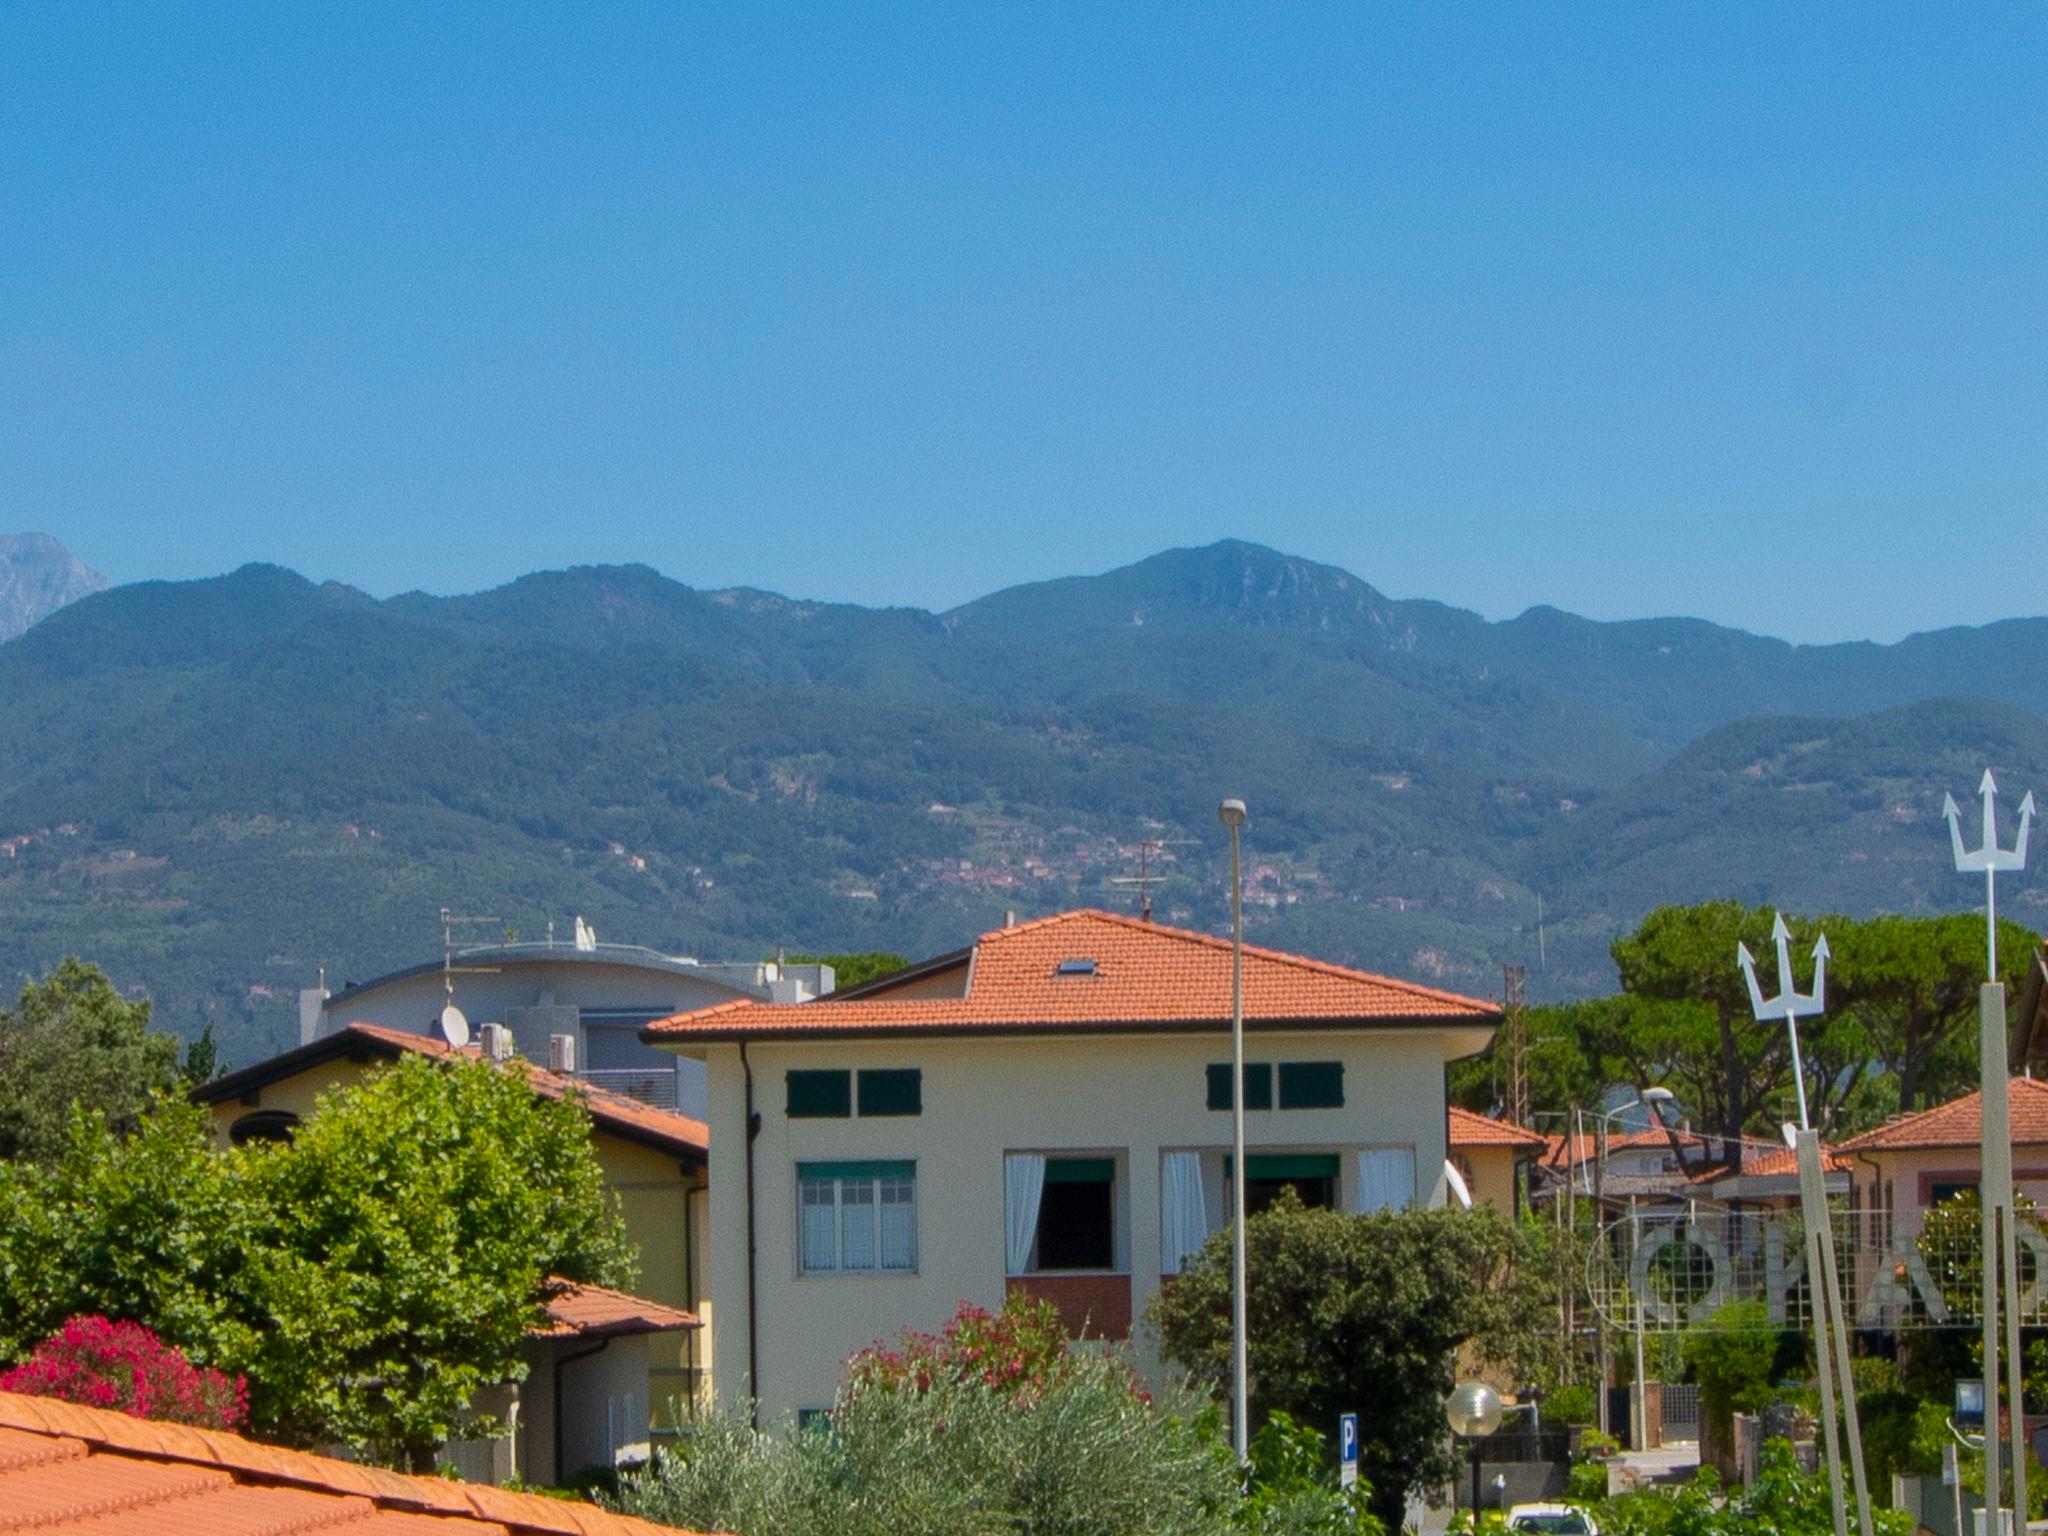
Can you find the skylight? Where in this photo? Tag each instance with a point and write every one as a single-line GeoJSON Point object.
{"type": "Point", "coordinates": [1074, 968]}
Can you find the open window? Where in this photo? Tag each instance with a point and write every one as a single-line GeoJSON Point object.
{"type": "Point", "coordinates": [1313, 1176]}
{"type": "Point", "coordinates": [1062, 1214]}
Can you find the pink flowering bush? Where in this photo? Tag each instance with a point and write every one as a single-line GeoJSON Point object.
{"type": "Point", "coordinates": [1019, 1351]}
{"type": "Point", "coordinates": [123, 1366]}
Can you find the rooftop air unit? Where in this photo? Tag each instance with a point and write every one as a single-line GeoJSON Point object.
{"type": "Point", "coordinates": [562, 1054]}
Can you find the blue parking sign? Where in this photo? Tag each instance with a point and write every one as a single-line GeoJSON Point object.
{"type": "Point", "coordinates": [1347, 1450]}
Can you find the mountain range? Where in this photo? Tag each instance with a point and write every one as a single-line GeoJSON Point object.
{"type": "Point", "coordinates": [37, 577]}
{"type": "Point", "coordinates": [217, 788]}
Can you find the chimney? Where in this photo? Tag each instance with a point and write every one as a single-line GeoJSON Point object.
{"type": "Point", "coordinates": [312, 1009]}
{"type": "Point", "coordinates": [562, 1054]}
{"type": "Point", "coordinates": [1010, 918]}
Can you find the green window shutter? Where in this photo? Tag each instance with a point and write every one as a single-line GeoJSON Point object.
{"type": "Point", "coordinates": [1258, 1085]}
{"type": "Point", "coordinates": [1287, 1165]}
{"type": "Point", "coordinates": [869, 1170]}
{"type": "Point", "coordinates": [1219, 1085]}
{"type": "Point", "coordinates": [1080, 1170]}
{"type": "Point", "coordinates": [820, 1095]}
{"type": "Point", "coordinates": [1311, 1085]}
{"type": "Point", "coordinates": [891, 1091]}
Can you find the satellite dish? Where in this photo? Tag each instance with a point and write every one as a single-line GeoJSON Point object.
{"type": "Point", "coordinates": [454, 1027]}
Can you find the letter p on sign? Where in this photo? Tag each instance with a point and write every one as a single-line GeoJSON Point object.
{"type": "Point", "coordinates": [1347, 1450]}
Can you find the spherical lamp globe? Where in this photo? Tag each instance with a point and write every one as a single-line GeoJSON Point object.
{"type": "Point", "coordinates": [1473, 1409]}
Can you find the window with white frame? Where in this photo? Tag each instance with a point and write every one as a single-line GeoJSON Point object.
{"type": "Point", "coordinates": [856, 1218]}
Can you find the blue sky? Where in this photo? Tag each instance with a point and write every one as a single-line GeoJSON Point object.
{"type": "Point", "coordinates": [1731, 311]}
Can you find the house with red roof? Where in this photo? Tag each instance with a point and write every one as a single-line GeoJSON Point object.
{"type": "Point", "coordinates": [1493, 1159]}
{"type": "Point", "coordinates": [609, 1367]}
{"type": "Point", "coordinates": [1910, 1164]}
{"type": "Point", "coordinates": [1046, 1110]}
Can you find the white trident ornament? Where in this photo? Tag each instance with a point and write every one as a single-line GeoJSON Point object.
{"type": "Point", "coordinates": [2000, 1246]}
{"type": "Point", "coordinates": [1790, 1004]}
{"type": "Point", "coordinates": [1989, 857]}
{"type": "Point", "coordinates": [1830, 1334]}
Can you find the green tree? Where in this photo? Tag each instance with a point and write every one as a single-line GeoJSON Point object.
{"type": "Point", "coordinates": [1362, 1314]}
{"type": "Point", "coordinates": [73, 1039]}
{"type": "Point", "coordinates": [369, 1278]}
{"type": "Point", "coordinates": [1733, 1359]}
{"type": "Point", "coordinates": [851, 969]}
{"type": "Point", "coordinates": [1912, 984]}
{"type": "Point", "coordinates": [1723, 1062]}
{"type": "Point", "coordinates": [407, 1232]}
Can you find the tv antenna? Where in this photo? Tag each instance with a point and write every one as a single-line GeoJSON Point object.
{"type": "Point", "coordinates": [1145, 879]}
{"type": "Point", "coordinates": [454, 1024]}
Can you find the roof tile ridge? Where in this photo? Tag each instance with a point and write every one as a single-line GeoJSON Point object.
{"type": "Point", "coordinates": [1883, 1135]}
{"type": "Point", "coordinates": [730, 1005]}
{"type": "Point", "coordinates": [1260, 951]}
{"type": "Point", "coordinates": [200, 1479]}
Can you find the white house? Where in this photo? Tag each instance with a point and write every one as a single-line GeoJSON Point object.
{"type": "Point", "coordinates": [1048, 1111]}
{"type": "Point", "coordinates": [596, 995]}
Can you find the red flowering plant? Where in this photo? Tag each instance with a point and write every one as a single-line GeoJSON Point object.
{"type": "Point", "coordinates": [123, 1366]}
{"type": "Point", "coordinates": [1019, 1352]}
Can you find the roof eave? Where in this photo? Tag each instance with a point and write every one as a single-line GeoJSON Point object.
{"type": "Point", "coordinates": [714, 1034]}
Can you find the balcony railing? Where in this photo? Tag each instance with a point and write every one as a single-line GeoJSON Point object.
{"type": "Point", "coordinates": [653, 1086]}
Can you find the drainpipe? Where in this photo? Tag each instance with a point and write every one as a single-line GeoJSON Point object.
{"type": "Point", "coordinates": [690, 1285]}
{"type": "Point", "coordinates": [753, 1326]}
{"type": "Point", "coordinates": [603, 1344]}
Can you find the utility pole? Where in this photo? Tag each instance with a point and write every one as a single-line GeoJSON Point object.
{"type": "Point", "coordinates": [1514, 1042]}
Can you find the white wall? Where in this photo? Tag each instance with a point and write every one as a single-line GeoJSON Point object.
{"type": "Point", "coordinates": [1133, 1096]}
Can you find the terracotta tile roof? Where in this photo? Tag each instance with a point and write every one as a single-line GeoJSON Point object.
{"type": "Point", "coordinates": [89, 1472]}
{"type": "Point", "coordinates": [1587, 1145]}
{"type": "Point", "coordinates": [1779, 1162]}
{"type": "Point", "coordinates": [1960, 1123]}
{"type": "Point", "coordinates": [615, 1112]}
{"type": "Point", "coordinates": [1140, 976]}
{"type": "Point", "coordinates": [591, 1311]}
{"type": "Point", "coordinates": [1470, 1130]}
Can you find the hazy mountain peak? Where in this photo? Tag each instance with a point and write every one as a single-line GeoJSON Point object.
{"type": "Point", "coordinates": [38, 576]}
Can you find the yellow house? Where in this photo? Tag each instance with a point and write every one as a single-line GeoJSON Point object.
{"type": "Point", "coordinates": [1046, 1112]}
{"type": "Point", "coordinates": [1491, 1156]}
{"type": "Point", "coordinates": [653, 1159]}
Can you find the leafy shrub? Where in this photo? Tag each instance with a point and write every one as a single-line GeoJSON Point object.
{"type": "Point", "coordinates": [1294, 1488]}
{"type": "Point", "coordinates": [981, 1431]}
{"type": "Point", "coordinates": [123, 1366]}
{"type": "Point", "coordinates": [1784, 1501]}
{"type": "Point", "coordinates": [1586, 1482]}
{"type": "Point", "coordinates": [1574, 1404]}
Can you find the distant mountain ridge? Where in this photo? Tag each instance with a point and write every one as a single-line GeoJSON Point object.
{"type": "Point", "coordinates": [37, 577]}
{"type": "Point", "coordinates": [217, 787]}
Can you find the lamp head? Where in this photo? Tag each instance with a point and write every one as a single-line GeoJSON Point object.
{"type": "Point", "coordinates": [1473, 1410]}
{"type": "Point", "coordinates": [1231, 814]}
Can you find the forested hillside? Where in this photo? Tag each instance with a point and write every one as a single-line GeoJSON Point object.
{"type": "Point", "coordinates": [214, 788]}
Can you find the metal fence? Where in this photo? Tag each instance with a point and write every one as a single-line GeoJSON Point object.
{"type": "Point", "coordinates": [1681, 1411]}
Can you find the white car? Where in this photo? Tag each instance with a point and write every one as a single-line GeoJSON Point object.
{"type": "Point", "coordinates": [1554, 1519]}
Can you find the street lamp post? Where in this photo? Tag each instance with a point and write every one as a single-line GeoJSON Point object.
{"type": "Point", "coordinates": [1231, 814]}
{"type": "Point", "coordinates": [1474, 1411]}
{"type": "Point", "coordinates": [1639, 1408]}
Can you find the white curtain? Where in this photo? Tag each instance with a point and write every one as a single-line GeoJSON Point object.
{"type": "Point", "coordinates": [1386, 1178]}
{"type": "Point", "coordinates": [1023, 1184]}
{"type": "Point", "coordinates": [1183, 1209]}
